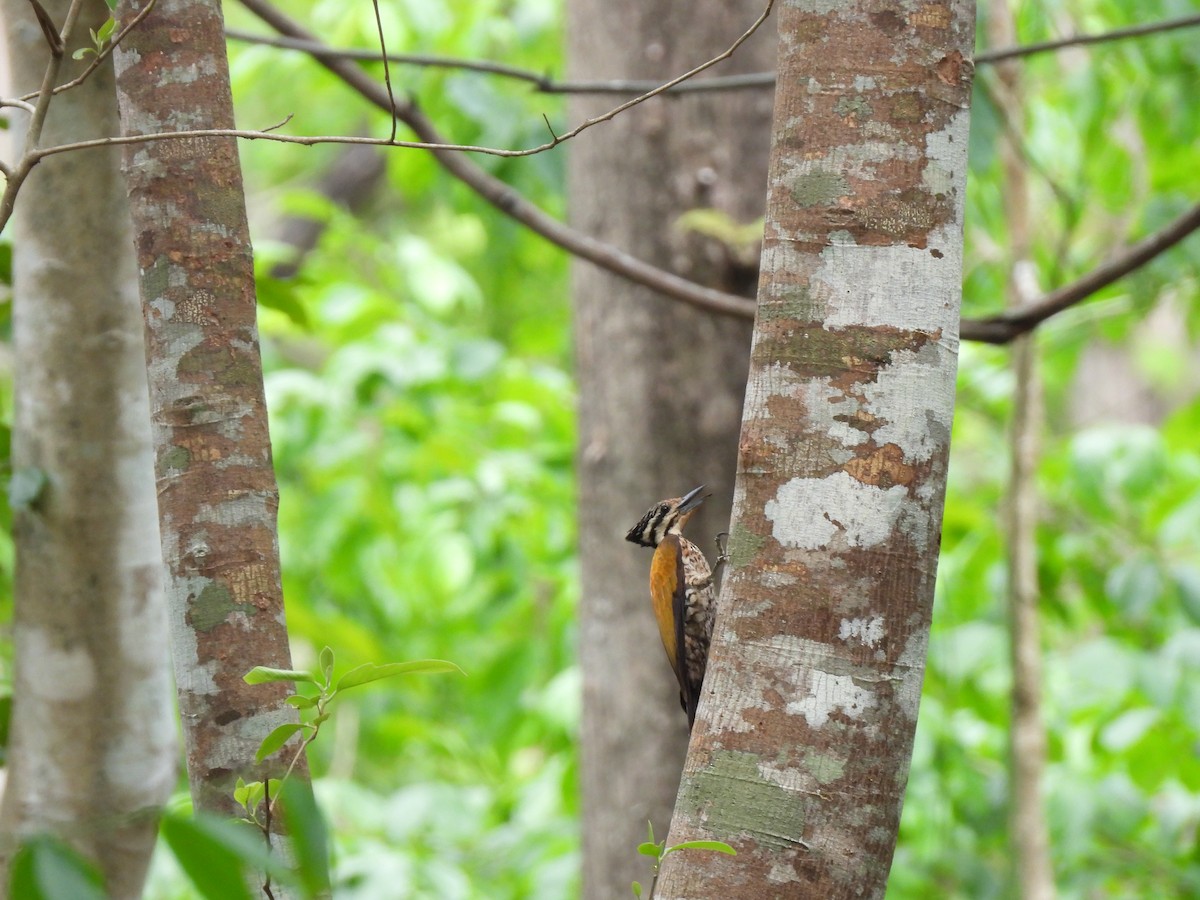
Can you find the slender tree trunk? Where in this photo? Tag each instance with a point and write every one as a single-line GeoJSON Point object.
{"type": "Point", "coordinates": [92, 748]}
{"type": "Point", "coordinates": [217, 493]}
{"type": "Point", "coordinates": [661, 384]}
{"type": "Point", "coordinates": [800, 756]}
{"type": "Point", "coordinates": [1032, 870]}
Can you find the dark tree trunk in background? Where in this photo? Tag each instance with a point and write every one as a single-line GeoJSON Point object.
{"type": "Point", "coordinates": [661, 384]}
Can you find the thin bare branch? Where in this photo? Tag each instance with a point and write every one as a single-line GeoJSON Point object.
{"type": "Point", "coordinates": [547, 85]}
{"type": "Point", "coordinates": [1003, 328]}
{"type": "Point", "coordinates": [48, 29]}
{"type": "Point", "coordinates": [387, 69]}
{"type": "Point", "coordinates": [1079, 40]}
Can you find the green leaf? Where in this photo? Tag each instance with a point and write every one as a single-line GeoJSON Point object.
{"type": "Point", "coordinates": [646, 848]}
{"type": "Point", "coordinates": [264, 674]}
{"type": "Point", "coordinates": [240, 792]}
{"type": "Point", "coordinates": [106, 30]}
{"type": "Point", "coordinates": [112, 4]}
{"type": "Point", "coordinates": [301, 702]}
{"type": "Point", "coordinates": [45, 868]}
{"type": "Point", "coordinates": [369, 672]}
{"type": "Point", "coordinates": [276, 739]}
{"type": "Point", "coordinates": [326, 662]}
{"type": "Point", "coordinates": [250, 795]}
{"type": "Point", "coordinates": [26, 488]}
{"type": "Point", "coordinates": [216, 854]}
{"type": "Point", "coordinates": [637, 889]}
{"type": "Point", "coordinates": [82, 52]}
{"type": "Point", "coordinates": [282, 296]}
{"type": "Point", "coordinates": [310, 839]}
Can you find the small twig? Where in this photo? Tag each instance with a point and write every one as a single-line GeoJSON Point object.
{"type": "Point", "coordinates": [550, 128]}
{"type": "Point", "coordinates": [103, 54]}
{"type": "Point", "coordinates": [387, 71]}
{"type": "Point", "coordinates": [48, 29]}
{"type": "Point", "coordinates": [1003, 53]}
{"type": "Point", "coordinates": [278, 125]}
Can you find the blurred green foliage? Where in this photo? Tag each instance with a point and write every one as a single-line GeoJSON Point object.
{"type": "Point", "coordinates": [422, 419]}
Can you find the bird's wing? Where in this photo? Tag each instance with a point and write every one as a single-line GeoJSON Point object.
{"type": "Point", "coordinates": [668, 591]}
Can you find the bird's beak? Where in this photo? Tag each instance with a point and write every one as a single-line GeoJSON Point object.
{"type": "Point", "coordinates": [692, 499]}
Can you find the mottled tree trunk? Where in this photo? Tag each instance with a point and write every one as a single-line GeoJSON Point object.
{"type": "Point", "coordinates": [92, 747]}
{"type": "Point", "coordinates": [217, 494]}
{"type": "Point", "coordinates": [661, 384]}
{"type": "Point", "coordinates": [800, 756]}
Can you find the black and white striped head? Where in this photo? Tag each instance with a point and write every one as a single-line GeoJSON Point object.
{"type": "Point", "coordinates": [665, 518]}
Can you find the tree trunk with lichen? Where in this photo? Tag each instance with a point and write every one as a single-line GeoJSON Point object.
{"type": "Point", "coordinates": [217, 493]}
{"type": "Point", "coordinates": [92, 752]}
{"type": "Point", "coordinates": [803, 741]}
{"type": "Point", "coordinates": [679, 182]}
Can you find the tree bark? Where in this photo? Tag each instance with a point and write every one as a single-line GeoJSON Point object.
{"type": "Point", "coordinates": [217, 493]}
{"type": "Point", "coordinates": [801, 752]}
{"type": "Point", "coordinates": [660, 384]}
{"type": "Point", "coordinates": [92, 748]}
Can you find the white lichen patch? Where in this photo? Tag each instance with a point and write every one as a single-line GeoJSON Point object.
{"type": "Point", "coordinates": [913, 414]}
{"type": "Point", "coordinates": [946, 151]}
{"type": "Point", "coordinates": [811, 513]}
{"type": "Point", "coordinates": [901, 288]}
{"type": "Point", "coordinates": [828, 694]}
{"type": "Point", "coordinates": [868, 631]}
{"type": "Point", "coordinates": [911, 669]}
{"type": "Point", "coordinates": [830, 411]}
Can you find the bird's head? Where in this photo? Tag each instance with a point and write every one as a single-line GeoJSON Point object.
{"type": "Point", "coordinates": [666, 517]}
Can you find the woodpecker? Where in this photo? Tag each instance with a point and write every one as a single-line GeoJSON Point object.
{"type": "Point", "coordinates": [681, 592]}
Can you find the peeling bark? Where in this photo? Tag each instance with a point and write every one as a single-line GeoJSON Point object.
{"type": "Point", "coordinates": [92, 747]}
{"type": "Point", "coordinates": [802, 745]}
{"type": "Point", "coordinates": [217, 493]}
{"type": "Point", "coordinates": [660, 384]}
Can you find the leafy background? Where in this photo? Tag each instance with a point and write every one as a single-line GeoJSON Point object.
{"type": "Point", "coordinates": [422, 405]}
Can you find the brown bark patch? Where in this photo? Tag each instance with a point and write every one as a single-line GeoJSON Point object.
{"type": "Point", "coordinates": [883, 467]}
